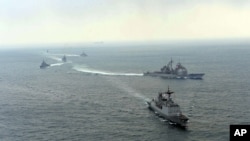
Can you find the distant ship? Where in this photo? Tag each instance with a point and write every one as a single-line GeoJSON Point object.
{"type": "Point", "coordinates": [64, 59]}
{"type": "Point", "coordinates": [44, 65]}
{"type": "Point", "coordinates": [180, 72]}
{"type": "Point", "coordinates": [165, 107]}
{"type": "Point", "coordinates": [83, 54]}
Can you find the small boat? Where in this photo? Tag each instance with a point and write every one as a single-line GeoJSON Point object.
{"type": "Point", "coordinates": [64, 59]}
{"type": "Point", "coordinates": [44, 65]}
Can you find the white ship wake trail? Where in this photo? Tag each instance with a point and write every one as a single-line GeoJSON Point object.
{"type": "Point", "coordinates": [55, 58]}
{"type": "Point", "coordinates": [127, 89]}
{"type": "Point", "coordinates": [59, 60]}
{"type": "Point", "coordinates": [114, 80]}
{"type": "Point", "coordinates": [93, 71]}
{"type": "Point", "coordinates": [61, 54]}
{"type": "Point", "coordinates": [56, 64]}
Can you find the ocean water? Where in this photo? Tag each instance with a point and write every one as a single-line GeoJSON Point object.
{"type": "Point", "coordinates": [102, 96]}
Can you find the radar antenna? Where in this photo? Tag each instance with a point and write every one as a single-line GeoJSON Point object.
{"type": "Point", "coordinates": [169, 92]}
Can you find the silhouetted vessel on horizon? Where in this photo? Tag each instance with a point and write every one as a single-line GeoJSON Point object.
{"type": "Point", "coordinates": [83, 54]}
{"type": "Point", "coordinates": [180, 72]}
{"type": "Point", "coordinates": [165, 107]}
{"type": "Point", "coordinates": [64, 59]}
{"type": "Point", "coordinates": [44, 65]}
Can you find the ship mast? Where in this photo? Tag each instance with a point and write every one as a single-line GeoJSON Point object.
{"type": "Point", "coordinates": [171, 65]}
{"type": "Point", "coordinates": [169, 92]}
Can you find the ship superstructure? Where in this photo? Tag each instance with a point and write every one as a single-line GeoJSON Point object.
{"type": "Point", "coordinates": [167, 108]}
{"type": "Point", "coordinates": [44, 65]}
{"type": "Point", "coordinates": [180, 72]}
{"type": "Point", "coordinates": [64, 59]}
{"type": "Point", "coordinates": [83, 54]}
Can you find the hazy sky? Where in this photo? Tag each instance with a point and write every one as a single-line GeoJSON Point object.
{"type": "Point", "coordinates": [71, 21]}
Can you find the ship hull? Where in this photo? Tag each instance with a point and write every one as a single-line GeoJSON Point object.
{"type": "Point", "coordinates": [174, 119]}
{"type": "Point", "coordinates": [44, 66]}
{"type": "Point", "coordinates": [158, 74]}
{"type": "Point", "coordinates": [174, 76]}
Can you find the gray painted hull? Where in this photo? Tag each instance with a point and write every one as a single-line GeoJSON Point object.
{"type": "Point", "coordinates": [174, 119]}
{"type": "Point", "coordinates": [174, 76]}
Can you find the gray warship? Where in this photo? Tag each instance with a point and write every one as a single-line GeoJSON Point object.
{"type": "Point", "coordinates": [83, 54]}
{"type": "Point", "coordinates": [44, 65]}
{"type": "Point", "coordinates": [180, 72]}
{"type": "Point", "coordinates": [64, 59]}
{"type": "Point", "coordinates": [165, 107]}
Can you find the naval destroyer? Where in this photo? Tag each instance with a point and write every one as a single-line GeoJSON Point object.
{"type": "Point", "coordinates": [180, 72]}
{"type": "Point", "coordinates": [165, 107]}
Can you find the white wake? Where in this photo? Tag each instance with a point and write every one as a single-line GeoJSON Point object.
{"type": "Point", "coordinates": [55, 58]}
{"type": "Point", "coordinates": [56, 64]}
{"type": "Point", "coordinates": [61, 54]}
{"type": "Point", "coordinates": [114, 81]}
{"type": "Point", "coordinates": [132, 92]}
{"type": "Point", "coordinates": [93, 71]}
{"type": "Point", "coordinates": [58, 60]}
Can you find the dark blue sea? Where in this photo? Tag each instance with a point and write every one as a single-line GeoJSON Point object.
{"type": "Point", "coordinates": [102, 96]}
